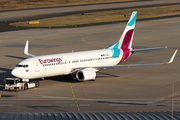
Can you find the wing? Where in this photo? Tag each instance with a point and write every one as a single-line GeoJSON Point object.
{"type": "Point", "coordinates": [105, 67]}
{"type": "Point", "coordinates": [26, 50]}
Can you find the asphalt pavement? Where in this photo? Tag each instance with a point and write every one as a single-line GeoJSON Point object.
{"type": "Point", "coordinates": [147, 88]}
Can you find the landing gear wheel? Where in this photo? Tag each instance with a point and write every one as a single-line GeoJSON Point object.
{"type": "Point", "coordinates": [25, 86]}
{"type": "Point", "coordinates": [37, 84]}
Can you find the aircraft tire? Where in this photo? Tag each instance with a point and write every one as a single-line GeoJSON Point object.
{"type": "Point", "coordinates": [37, 84]}
{"type": "Point", "coordinates": [25, 86]}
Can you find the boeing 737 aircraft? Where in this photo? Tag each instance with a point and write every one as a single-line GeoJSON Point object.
{"type": "Point", "coordinates": [84, 64]}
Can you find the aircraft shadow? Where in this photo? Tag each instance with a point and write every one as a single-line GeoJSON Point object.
{"type": "Point", "coordinates": [22, 58]}
{"type": "Point", "coordinates": [106, 75]}
{"type": "Point", "coordinates": [60, 78]}
{"type": "Point", "coordinates": [74, 80]}
{"type": "Point", "coordinates": [5, 73]}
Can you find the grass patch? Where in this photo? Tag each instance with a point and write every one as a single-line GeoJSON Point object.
{"type": "Point", "coordinates": [24, 4]}
{"type": "Point", "coordinates": [105, 16]}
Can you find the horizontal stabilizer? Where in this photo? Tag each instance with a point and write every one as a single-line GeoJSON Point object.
{"type": "Point", "coordinates": [110, 44]}
{"type": "Point", "coordinates": [146, 49]}
{"type": "Point", "coordinates": [26, 50]}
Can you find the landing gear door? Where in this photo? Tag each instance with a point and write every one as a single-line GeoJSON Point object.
{"type": "Point", "coordinates": [37, 66]}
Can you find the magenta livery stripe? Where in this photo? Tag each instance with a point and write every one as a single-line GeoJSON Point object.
{"type": "Point", "coordinates": [127, 39]}
{"type": "Point", "coordinates": [125, 55]}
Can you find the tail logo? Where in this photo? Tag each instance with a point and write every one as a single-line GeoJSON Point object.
{"type": "Point", "coordinates": [127, 39]}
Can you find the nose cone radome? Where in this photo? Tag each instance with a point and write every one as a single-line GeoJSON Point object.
{"type": "Point", "coordinates": [15, 72]}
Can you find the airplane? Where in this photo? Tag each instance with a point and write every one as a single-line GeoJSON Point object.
{"type": "Point", "coordinates": [83, 64]}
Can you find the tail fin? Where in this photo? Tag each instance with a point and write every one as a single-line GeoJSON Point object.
{"type": "Point", "coordinates": [127, 36]}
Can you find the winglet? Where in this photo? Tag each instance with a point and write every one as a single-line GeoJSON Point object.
{"type": "Point", "coordinates": [172, 58]}
{"type": "Point", "coordinates": [26, 50]}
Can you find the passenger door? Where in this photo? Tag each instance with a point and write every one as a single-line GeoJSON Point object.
{"type": "Point", "coordinates": [37, 66]}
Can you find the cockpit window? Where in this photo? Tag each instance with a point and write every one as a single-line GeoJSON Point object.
{"type": "Point", "coordinates": [19, 65]}
{"type": "Point", "coordinates": [24, 66]}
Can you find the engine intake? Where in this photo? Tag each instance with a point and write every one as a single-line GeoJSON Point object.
{"type": "Point", "coordinates": [86, 74]}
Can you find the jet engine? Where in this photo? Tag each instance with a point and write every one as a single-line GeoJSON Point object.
{"type": "Point", "coordinates": [86, 74]}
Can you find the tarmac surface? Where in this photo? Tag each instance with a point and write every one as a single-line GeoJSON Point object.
{"type": "Point", "coordinates": [144, 88]}
{"type": "Point", "coordinates": [21, 14]}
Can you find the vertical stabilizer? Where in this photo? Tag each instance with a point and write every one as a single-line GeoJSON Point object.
{"type": "Point", "coordinates": [127, 36]}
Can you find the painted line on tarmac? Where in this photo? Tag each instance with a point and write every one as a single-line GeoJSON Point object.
{"type": "Point", "coordinates": [138, 103]}
{"type": "Point", "coordinates": [82, 105]}
{"type": "Point", "coordinates": [82, 99]}
{"type": "Point", "coordinates": [41, 105]}
{"type": "Point", "coordinates": [173, 22]}
{"type": "Point", "coordinates": [85, 90]}
{"type": "Point", "coordinates": [116, 105]}
{"type": "Point", "coordinates": [7, 101]}
{"type": "Point", "coordinates": [92, 43]}
{"type": "Point", "coordinates": [6, 105]}
{"type": "Point", "coordinates": [73, 94]}
{"type": "Point", "coordinates": [66, 102]}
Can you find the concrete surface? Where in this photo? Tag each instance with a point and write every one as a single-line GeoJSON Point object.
{"type": "Point", "coordinates": [147, 88]}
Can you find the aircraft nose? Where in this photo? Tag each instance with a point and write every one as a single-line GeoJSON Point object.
{"type": "Point", "coordinates": [14, 72]}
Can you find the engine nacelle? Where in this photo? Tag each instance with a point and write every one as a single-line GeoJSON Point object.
{"type": "Point", "coordinates": [86, 74]}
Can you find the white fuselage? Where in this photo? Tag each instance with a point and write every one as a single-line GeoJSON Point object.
{"type": "Point", "coordinates": [62, 64]}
